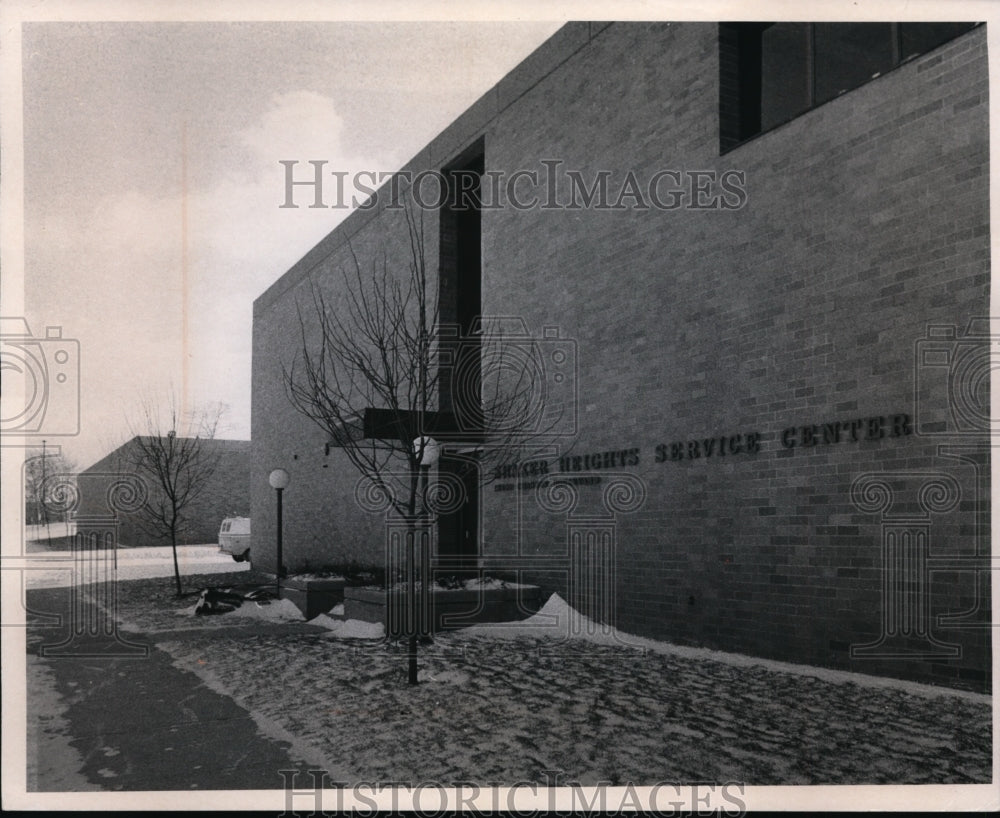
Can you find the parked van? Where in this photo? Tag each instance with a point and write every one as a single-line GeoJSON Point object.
{"type": "Point", "coordinates": [234, 538]}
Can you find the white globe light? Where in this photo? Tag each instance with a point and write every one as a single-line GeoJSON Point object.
{"type": "Point", "coordinates": [431, 450]}
{"type": "Point", "coordinates": [278, 479]}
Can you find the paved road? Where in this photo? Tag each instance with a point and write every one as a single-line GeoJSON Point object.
{"type": "Point", "coordinates": [55, 568]}
{"type": "Point", "coordinates": [55, 529]}
{"type": "Point", "coordinates": [138, 723]}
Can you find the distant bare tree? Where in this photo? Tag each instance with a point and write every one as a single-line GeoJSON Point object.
{"type": "Point", "coordinates": [381, 345]}
{"type": "Point", "coordinates": [37, 469]}
{"type": "Point", "coordinates": [170, 455]}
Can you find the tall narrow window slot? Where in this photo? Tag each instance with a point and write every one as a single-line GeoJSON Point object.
{"type": "Point", "coordinates": [460, 304]}
{"type": "Point", "coordinates": [460, 295]}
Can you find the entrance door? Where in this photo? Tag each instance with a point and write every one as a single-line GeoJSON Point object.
{"type": "Point", "coordinates": [458, 531]}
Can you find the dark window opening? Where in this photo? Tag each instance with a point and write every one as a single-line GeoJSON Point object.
{"type": "Point", "coordinates": [919, 38]}
{"type": "Point", "coordinates": [460, 290]}
{"type": "Point", "coordinates": [850, 54]}
{"type": "Point", "coordinates": [770, 73]}
{"type": "Point", "coordinates": [458, 529]}
{"type": "Point", "coordinates": [784, 73]}
{"type": "Point", "coordinates": [460, 310]}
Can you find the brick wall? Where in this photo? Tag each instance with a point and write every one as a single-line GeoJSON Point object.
{"type": "Point", "coordinates": [225, 494]}
{"type": "Point", "coordinates": [323, 522]}
{"type": "Point", "coordinates": [865, 221]}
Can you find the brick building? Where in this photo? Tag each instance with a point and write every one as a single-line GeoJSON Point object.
{"type": "Point", "coordinates": [759, 256]}
{"type": "Point", "coordinates": [225, 494]}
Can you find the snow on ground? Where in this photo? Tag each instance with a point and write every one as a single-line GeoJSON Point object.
{"type": "Point", "coordinates": [283, 610]}
{"type": "Point", "coordinates": [492, 710]}
{"type": "Point", "coordinates": [272, 610]}
{"type": "Point", "coordinates": [557, 620]}
{"type": "Point", "coordinates": [40, 532]}
{"type": "Point", "coordinates": [349, 628]}
{"type": "Point", "coordinates": [316, 576]}
{"type": "Point", "coordinates": [490, 582]}
{"type": "Point", "coordinates": [51, 760]}
{"type": "Point", "coordinates": [473, 584]}
{"type": "Point", "coordinates": [504, 703]}
{"type": "Point", "coordinates": [55, 568]}
{"type": "Point", "coordinates": [559, 694]}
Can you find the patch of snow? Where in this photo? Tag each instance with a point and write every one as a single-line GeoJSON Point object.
{"type": "Point", "coordinates": [52, 762]}
{"type": "Point", "coordinates": [300, 749]}
{"type": "Point", "coordinates": [316, 576]}
{"type": "Point", "coordinates": [337, 610]}
{"type": "Point", "coordinates": [443, 676]}
{"type": "Point", "coordinates": [558, 620]}
{"type": "Point", "coordinates": [55, 568]}
{"type": "Point", "coordinates": [277, 610]}
{"type": "Point", "coordinates": [475, 584]}
{"type": "Point", "coordinates": [349, 628]}
{"type": "Point", "coordinates": [491, 582]}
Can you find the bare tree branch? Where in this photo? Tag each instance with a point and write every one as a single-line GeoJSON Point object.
{"type": "Point", "coordinates": [382, 345]}
{"type": "Point", "coordinates": [173, 459]}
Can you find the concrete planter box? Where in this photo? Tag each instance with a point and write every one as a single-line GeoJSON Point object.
{"type": "Point", "coordinates": [448, 609]}
{"type": "Point", "coordinates": [313, 596]}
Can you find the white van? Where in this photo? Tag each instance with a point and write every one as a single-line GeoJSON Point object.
{"type": "Point", "coordinates": [234, 538]}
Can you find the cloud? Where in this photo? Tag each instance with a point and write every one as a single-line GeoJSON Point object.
{"type": "Point", "coordinates": [297, 125]}
{"type": "Point", "coordinates": [126, 275]}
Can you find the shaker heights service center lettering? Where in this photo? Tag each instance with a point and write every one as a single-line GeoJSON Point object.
{"type": "Point", "coordinates": [816, 434]}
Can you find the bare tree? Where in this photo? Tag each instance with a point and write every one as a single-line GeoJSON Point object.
{"type": "Point", "coordinates": [170, 454]}
{"type": "Point", "coordinates": [381, 374]}
{"type": "Point", "coordinates": [48, 461]}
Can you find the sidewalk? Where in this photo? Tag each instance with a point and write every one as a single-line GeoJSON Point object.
{"type": "Point", "coordinates": [226, 702]}
{"type": "Point", "coordinates": [139, 723]}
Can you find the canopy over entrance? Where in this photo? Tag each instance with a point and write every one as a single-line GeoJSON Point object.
{"type": "Point", "coordinates": [406, 425]}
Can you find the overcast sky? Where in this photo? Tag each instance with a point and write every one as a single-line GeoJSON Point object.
{"type": "Point", "coordinates": [125, 123]}
{"type": "Point", "coordinates": [108, 111]}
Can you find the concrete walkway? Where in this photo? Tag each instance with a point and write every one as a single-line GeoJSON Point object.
{"type": "Point", "coordinates": [227, 703]}
{"type": "Point", "coordinates": [139, 723]}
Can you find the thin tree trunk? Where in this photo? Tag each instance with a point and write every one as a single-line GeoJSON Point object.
{"type": "Point", "coordinates": [412, 602]}
{"type": "Point", "coordinates": [177, 569]}
{"type": "Point", "coordinates": [411, 532]}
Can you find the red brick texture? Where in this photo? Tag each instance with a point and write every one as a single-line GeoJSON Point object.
{"type": "Point", "coordinates": [803, 303]}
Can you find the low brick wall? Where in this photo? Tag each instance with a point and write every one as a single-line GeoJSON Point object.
{"type": "Point", "coordinates": [313, 596]}
{"type": "Point", "coordinates": [448, 609]}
